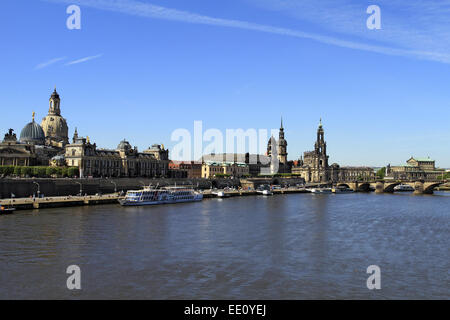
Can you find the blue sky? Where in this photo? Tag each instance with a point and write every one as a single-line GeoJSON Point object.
{"type": "Point", "coordinates": [141, 69]}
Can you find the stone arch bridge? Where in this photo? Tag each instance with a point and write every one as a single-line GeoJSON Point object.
{"type": "Point", "coordinates": [387, 186]}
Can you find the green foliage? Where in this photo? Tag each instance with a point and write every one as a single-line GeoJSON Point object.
{"type": "Point", "coordinates": [26, 171]}
{"type": "Point", "coordinates": [72, 172]}
{"type": "Point", "coordinates": [38, 172]}
{"type": "Point", "coordinates": [17, 171]}
{"type": "Point", "coordinates": [381, 173]}
{"type": "Point", "coordinates": [222, 175]}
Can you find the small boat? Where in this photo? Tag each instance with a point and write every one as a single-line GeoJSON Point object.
{"type": "Point", "coordinates": [403, 188]}
{"type": "Point", "coordinates": [342, 189]}
{"type": "Point", "coordinates": [320, 190]}
{"type": "Point", "coordinates": [7, 210]}
{"type": "Point", "coordinates": [220, 194]}
{"type": "Point", "coordinates": [265, 192]}
{"type": "Point", "coordinates": [149, 196]}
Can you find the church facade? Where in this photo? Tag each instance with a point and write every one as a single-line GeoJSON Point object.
{"type": "Point", "coordinates": [277, 153]}
{"type": "Point", "coordinates": [314, 166]}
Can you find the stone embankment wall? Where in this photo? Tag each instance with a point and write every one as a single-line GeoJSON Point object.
{"type": "Point", "coordinates": [22, 188]}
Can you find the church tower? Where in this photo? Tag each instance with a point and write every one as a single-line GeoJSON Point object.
{"type": "Point", "coordinates": [282, 145]}
{"type": "Point", "coordinates": [54, 125]}
{"type": "Point", "coordinates": [321, 158]}
{"type": "Point", "coordinates": [54, 103]}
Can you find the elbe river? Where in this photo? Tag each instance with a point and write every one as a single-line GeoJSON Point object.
{"type": "Point", "coordinates": [298, 246]}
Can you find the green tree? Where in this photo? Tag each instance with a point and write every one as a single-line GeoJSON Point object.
{"type": "Point", "coordinates": [64, 172]}
{"type": "Point", "coordinates": [17, 171]}
{"type": "Point", "coordinates": [381, 173]}
{"type": "Point", "coordinates": [26, 171]}
{"type": "Point", "coordinates": [72, 172]}
{"type": "Point", "coordinates": [49, 171]}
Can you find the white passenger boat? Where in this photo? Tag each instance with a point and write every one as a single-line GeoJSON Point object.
{"type": "Point", "coordinates": [149, 196]}
{"type": "Point", "coordinates": [320, 190]}
{"type": "Point", "coordinates": [403, 188]}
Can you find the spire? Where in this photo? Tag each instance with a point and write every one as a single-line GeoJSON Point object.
{"type": "Point", "coordinates": [320, 122]}
{"type": "Point", "coordinates": [281, 123]}
{"type": "Point", "coordinates": [33, 115]}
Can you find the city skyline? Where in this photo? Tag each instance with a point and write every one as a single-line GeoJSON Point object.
{"type": "Point", "coordinates": [118, 72]}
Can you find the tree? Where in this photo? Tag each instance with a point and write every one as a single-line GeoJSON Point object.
{"type": "Point", "coordinates": [72, 172]}
{"type": "Point", "coordinates": [26, 171]}
{"type": "Point", "coordinates": [381, 173]}
{"type": "Point", "coordinates": [17, 171]}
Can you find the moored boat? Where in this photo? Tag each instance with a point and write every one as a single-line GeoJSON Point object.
{"type": "Point", "coordinates": [149, 196]}
{"type": "Point", "coordinates": [342, 189]}
{"type": "Point", "coordinates": [403, 188]}
{"type": "Point", "coordinates": [265, 192]}
{"type": "Point", "coordinates": [7, 210]}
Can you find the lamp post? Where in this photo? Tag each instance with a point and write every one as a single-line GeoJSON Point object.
{"type": "Point", "coordinates": [39, 188]}
{"type": "Point", "coordinates": [81, 187]}
{"type": "Point", "coordinates": [115, 186]}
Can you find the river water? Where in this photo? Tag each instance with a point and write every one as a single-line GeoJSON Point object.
{"type": "Point", "coordinates": [299, 246]}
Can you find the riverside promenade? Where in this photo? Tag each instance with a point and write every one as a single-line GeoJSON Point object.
{"type": "Point", "coordinates": [56, 202]}
{"type": "Point", "coordinates": [73, 201]}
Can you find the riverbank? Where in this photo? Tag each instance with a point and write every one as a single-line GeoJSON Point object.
{"type": "Point", "coordinates": [75, 201]}
{"type": "Point", "coordinates": [57, 202]}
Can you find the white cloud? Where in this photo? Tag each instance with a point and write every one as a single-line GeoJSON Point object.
{"type": "Point", "coordinates": [84, 59]}
{"type": "Point", "coordinates": [331, 13]}
{"type": "Point", "coordinates": [48, 63]}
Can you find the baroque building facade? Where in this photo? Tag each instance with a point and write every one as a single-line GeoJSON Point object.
{"type": "Point", "coordinates": [48, 144]}
{"type": "Point", "coordinates": [415, 168]}
{"type": "Point", "coordinates": [124, 161]}
{"type": "Point", "coordinates": [54, 125]}
{"type": "Point", "coordinates": [314, 167]}
{"type": "Point", "coordinates": [277, 153]}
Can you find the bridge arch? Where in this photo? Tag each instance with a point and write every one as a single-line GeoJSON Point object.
{"type": "Point", "coordinates": [428, 189]}
{"type": "Point", "coordinates": [364, 187]}
{"type": "Point", "coordinates": [343, 185]}
{"type": "Point", "coordinates": [390, 187]}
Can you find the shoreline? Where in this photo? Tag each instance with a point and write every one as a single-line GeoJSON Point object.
{"type": "Point", "coordinates": [21, 204]}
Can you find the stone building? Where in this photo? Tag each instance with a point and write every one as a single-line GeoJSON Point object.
{"type": "Point", "coordinates": [29, 150]}
{"type": "Point", "coordinates": [415, 169]}
{"type": "Point", "coordinates": [278, 149]}
{"type": "Point", "coordinates": [14, 153]}
{"type": "Point", "coordinates": [211, 169]}
{"type": "Point", "coordinates": [185, 169]}
{"type": "Point", "coordinates": [124, 161]}
{"type": "Point", "coordinates": [54, 125]}
{"type": "Point", "coordinates": [314, 167]}
{"type": "Point", "coordinates": [257, 163]}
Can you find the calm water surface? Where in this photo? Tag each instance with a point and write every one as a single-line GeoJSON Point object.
{"type": "Point", "coordinates": [300, 246]}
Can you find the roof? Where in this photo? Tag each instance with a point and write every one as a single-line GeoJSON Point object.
{"type": "Point", "coordinates": [32, 132]}
{"type": "Point", "coordinates": [422, 159]}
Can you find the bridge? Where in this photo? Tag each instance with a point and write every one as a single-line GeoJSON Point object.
{"type": "Point", "coordinates": [387, 186]}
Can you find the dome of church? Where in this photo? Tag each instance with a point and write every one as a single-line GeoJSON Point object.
{"type": "Point", "coordinates": [32, 133]}
{"type": "Point", "coordinates": [56, 127]}
{"type": "Point", "coordinates": [124, 145]}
